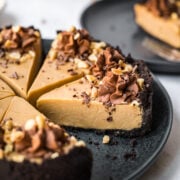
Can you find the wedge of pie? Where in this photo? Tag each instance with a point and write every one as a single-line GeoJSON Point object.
{"type": "Point", "coordinates": [71, 55]}
{"type": "Point", "coordinates": [5, 90]}
{"type": "Point", "coordinates": [40, 149]}
{"type": "Point", "coordinates": [20, 52]}
{"type": "Point", "coordinates": [116, 95]}
{"type": "Point", "coordinates": [19, 110]}
{"type": "Point", "coordinates": [161, 19]}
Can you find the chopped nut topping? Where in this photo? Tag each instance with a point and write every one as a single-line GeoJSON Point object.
{"type": "Point", "coordinates": [91, 78]}
{"type": "Point", "coordinates": [17, 41]}
{"type": "Point", "coordinates": [106, 139]}
{"type": "Point", "coordinates": [71, 44]}
{"type": "Point", "coordinates": [36, 140]}
{"type": "Point", "coordinates": [174, 16]}
{"type": "Point", "coordinates": [14, 55]}
{"type": "Point", "coordinates": [117, 71]}
{"type": "Point", "coordinates": [140, 81]}
{"type": "Point", "coordinates": [76, 36]}
{"type": "Point", "coordinates": [135, 103]}
{"type": "Point", "coordinates": [94, 92]}
{"type": "Point", "coordinates": [98, 45]}
{"type": "Point", "coordinates": [93, 57]}
{"type": "Point", "coordinates": [81, 64]}
{"type": "Point", "coordinates": [16, 29]}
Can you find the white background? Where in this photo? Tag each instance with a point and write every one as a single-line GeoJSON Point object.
{"type": "Point", "coordinates": [50, 15]}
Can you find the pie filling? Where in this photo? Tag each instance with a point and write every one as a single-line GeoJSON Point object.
{"type": "Point", "coordinates": [161, 19]}
{"type": "Point", "coordinates": [20, 57]}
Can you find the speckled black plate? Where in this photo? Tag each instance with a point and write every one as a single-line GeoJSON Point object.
{"type": "Point", "coordinates": [113, 161]}
{"type": "Point", "coordinates": [113, 22]}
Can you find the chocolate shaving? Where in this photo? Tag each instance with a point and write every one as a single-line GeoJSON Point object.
{"type": "Point", "coordinates": [72, 72]}
{"type": "Point", "coordinates": [110, 118]}
{"type": "Point", "coordinates": [86, 98]}
{"type": "Point", "coordinates": [15, 76]}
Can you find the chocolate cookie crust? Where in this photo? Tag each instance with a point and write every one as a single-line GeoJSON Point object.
{"type": "Point", "coordinates": [75, 165]}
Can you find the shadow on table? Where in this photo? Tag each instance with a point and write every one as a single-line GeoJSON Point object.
{"type": "Point", "coordinates": [6, 19]}
{"type": "Point", "coordinates": [167, 162]}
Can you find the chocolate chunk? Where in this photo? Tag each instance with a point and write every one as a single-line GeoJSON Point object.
{"type": "Point", "coordinates": [86, 98]}
{"type": "Point", "coordinates": [17, 39]}
{"type": "Point", "coordinates": [110, 119]}
{"type": "Point", "coordinates": [15, 76]}
{"type": "Point", "coordinates": [28, 41]}
{"type": "Point", "coordinates": [72, 72]}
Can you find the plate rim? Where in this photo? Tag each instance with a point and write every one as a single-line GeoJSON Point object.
{"type": "Point", "coordinates": [143, 168]}
{"type": "Point", "coordinates": [140, 171]}
{"type": "Point", "coordinates": [148, 62]}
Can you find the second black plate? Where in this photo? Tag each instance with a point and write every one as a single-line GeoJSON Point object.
{"type": "Point", "coordinates": [113, 21]}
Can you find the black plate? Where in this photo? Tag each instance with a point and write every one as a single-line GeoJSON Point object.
{"type": "Point", "coordinates": [109, 160]}
{"type": "Point", "coordinates": [113, 21]}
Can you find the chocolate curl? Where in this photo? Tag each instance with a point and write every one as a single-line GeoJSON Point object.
{"type": "Point", "coordinates": [68, 47]}
{"type": "Point", "coordinates": [117, 98]}
{"type": "Point", "coordinates": [23, 38]}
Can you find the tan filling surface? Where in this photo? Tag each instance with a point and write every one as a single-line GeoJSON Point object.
{"type": "Point", "coordinates": [49, 78]}
{"type": "Point", "coordinates": [167, 30]}
{"type": "Point", "coordinates": [20, 111]}
{"type": "Point", "coordinates": [5, 90]}
{"type": "Point", "coordinates": [74, 113]}
{"type": "Point", "coordinates": [4, 104]}
{"type": "Point", "coordinates": [60, 106]}
{"type": "Point", "coordinates": [26, 72]}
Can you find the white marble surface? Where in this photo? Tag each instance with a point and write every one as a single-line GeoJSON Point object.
{"type": "Point", "coordinates": [50, 15]}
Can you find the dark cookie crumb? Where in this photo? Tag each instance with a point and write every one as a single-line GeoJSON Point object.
{"type": "Point", "coordinates": [133, 142]}
{"type": "Point", "coordinates": [130, 155]}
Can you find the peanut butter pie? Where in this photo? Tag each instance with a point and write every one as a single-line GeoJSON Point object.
{"type": "Point", "coordinates": [20, 52]}
{"type": "Point", "coordinates": [41, 150]}
{"type": "Point", "coordinates": [82, 83]}
{"type": "Point", "coordinates": [116, 94]}
{"type": "Point", "coordinates": [161, 19]}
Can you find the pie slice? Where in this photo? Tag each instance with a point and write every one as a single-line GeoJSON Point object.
{"type": "Point", "coordinates": [19, 111]}
{"type": "Point", "coordinates": [71, 56]}
{"type": "Point", "coordinates": [5, 90]}
{"type": "Point", "coordinates": [117, 95]}
{"type": "Point", "coordinates": [161, 19]}
{"type": "Point", "coordinates": [4, 104]}
{"type": "Point", "coordinates": [20, 57]}
{"type": "Point", "coordinates": [42, 150]}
